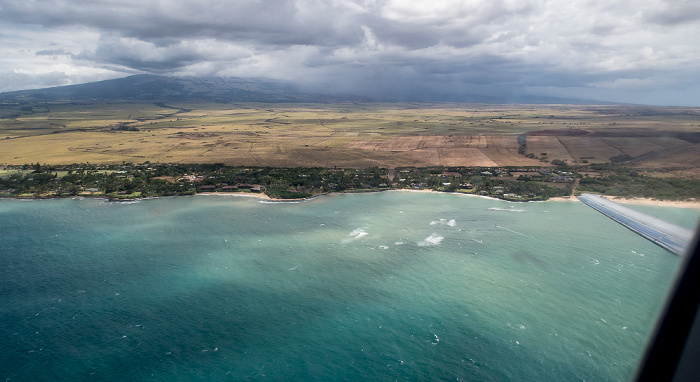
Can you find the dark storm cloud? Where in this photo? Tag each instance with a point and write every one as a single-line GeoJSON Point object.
{"type": "Point", "coordinates": [53, 52]}
{"type": "Point", "coordinates": [364, 46]}
{"type": "Point", "coordinates": [675, 12]}
{"type": "Point", "coordinates": [270, 22]}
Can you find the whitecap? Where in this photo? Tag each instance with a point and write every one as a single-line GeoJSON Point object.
{"type": "Point", "coordinates": [355, 234]}
{"type": "Point", "coordinates": [433, 239]}
{"type": "Point", "coordinates": [451, 222]}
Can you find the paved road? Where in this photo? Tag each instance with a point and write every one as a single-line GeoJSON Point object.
{"type": "Point", "coordinates": [667, 235]}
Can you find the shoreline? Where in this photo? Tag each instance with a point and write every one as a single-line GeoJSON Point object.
{"type": "Point", "coordinates": [639, 201]}
{"type": "Point", "coordinates": [617, 199]}
{"type": "Point", "coordinates": [655, 202]}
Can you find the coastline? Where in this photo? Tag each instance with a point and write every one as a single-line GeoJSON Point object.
{"type": "Point", "coordinates": [265, 198]}
{"type": "Point", "coordinates": [617, 199]}
{"type": "Point", "coordinates": [247, 195]}
{"type": "Point", "coordinates": [641, 201]}
{"type": "Point", "coordinates": [655, 202]}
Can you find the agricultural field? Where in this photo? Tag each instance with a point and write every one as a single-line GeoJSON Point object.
{"type": "Point", "coordinates": [348, 135]}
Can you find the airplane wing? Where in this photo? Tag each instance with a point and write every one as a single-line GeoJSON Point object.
{"type": "Point", "coordinates": [673, 238]}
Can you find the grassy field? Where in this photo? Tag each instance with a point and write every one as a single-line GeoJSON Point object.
{"type": "Point", "coordinates": [346, 135]}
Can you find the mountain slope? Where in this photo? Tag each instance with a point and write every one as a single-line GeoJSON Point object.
{"type": "Point", "coordinates": [164, 88]}
{"type": "Point", "coordinates": [154, 88]}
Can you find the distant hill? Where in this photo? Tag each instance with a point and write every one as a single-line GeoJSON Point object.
{"type": "Point", "coordinates": [164, 88]}
{"type": "Point", "coordinates": [154, 88]}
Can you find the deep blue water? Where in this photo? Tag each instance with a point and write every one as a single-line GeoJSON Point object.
{"type": "Point", "coordinates": [386, 286]}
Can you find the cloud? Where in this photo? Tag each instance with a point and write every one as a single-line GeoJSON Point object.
{"type": "Point", "coordinates": [53, 52]}
{"type": "Point", "coordinates": [149, 56]}
{"type": "Point", "coordinates": [672, 13]}
{"type": "Point", "coordinates": [400, 48]}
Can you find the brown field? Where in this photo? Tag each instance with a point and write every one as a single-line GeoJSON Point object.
{"type": "Point", "coordinates": [349, 135]}
{"type": "Point", "coordinates": [653, 151]}
{"type": "Point", "coordinates": [453, 150]}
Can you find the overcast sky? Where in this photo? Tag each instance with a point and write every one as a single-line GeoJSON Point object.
{"type": "Point", "coordinates": [637, 51]}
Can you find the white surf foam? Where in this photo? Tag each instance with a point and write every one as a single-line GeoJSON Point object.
{"type": "Point", "coordinates": [505, 209]}
{"type": "Point", "coordinates": [451, 222]}
{"type": "Point", "coordinates": [355, 234]}
{"type": "Point", "coordinates": [431, 240]}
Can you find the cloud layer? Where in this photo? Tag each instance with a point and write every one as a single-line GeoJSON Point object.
{"type": "Point", "coordinates": [620, 50]}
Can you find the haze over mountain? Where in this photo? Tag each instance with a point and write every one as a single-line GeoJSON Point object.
{"type": "Point", "coordinates": [233, 89]}
{"type": "Point", "coordinates": [165, 88]}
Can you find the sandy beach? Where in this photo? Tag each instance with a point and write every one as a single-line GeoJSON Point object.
{"type": "Point", "coordinates": [654, 202]}
{"type": "Point", "coordinates": [642, 201]}
{"type": "Point", "coordinates": [249, 195]}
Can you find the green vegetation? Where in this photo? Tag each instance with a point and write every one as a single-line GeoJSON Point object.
{"type": "Point", "coordinates": [130, 181]}
{"type": "Point", "coordinates": [143, 180]}
{"type": "Point", "coordinates": [634, 185]}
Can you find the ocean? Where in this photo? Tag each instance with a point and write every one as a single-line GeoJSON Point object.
{"type": "Point", "coordinates": [380, 286]}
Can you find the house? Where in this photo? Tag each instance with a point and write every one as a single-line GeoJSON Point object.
{"type": "Point", "coordinates": [192, 178]}
{"type": "Point", "coordinates": [562, 179]}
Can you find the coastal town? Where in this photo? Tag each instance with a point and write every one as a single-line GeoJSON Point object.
{"type": "Point", "coordinates": [134, 181]}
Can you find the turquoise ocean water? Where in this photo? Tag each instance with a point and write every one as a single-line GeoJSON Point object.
{"type": "Point", "coordinates": [384, 286]}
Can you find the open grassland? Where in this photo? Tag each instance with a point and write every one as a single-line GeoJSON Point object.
{"type": "Point", "coordinates": [347, 135]}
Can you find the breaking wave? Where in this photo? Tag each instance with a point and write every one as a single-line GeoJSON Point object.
{"type": "Point", "coordinates": [431, 240]}
{"type": "Point", "coordinates": [504, 209]}
{"type": "Point", "coordinates": [451, 222]}
{"type": "Point", "coordinates": [355, 234]}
